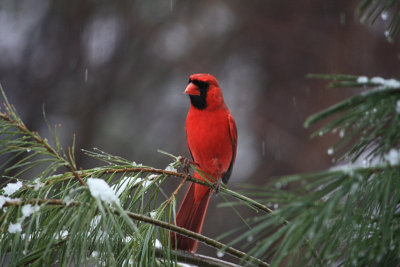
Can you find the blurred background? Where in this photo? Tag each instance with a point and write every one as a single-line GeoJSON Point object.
{"type": "Point", "coordinates": [114, 74]}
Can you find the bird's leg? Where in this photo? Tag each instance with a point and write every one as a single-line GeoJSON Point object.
{"type": "Point", "coordinates": [217, 187]}
{"type": "Point", "coordinates": [186, 164]}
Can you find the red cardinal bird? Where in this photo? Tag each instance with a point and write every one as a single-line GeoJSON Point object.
{"type": "Point", "coordinates": [212, 139]}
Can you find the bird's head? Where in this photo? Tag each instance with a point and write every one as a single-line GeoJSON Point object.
{"type": "Point", "coordinates": [204, 91]}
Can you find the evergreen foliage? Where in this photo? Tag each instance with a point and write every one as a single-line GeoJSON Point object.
{"type": "Point", "coordinates": [387, 10]}
{"type": "Point", "coordinates": [347, 215]}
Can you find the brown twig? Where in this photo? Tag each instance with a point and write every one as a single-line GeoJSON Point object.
{"type": "Point", "coordinates": [57, 202]}
{"type": "Point", "coordinates": [176, 191]}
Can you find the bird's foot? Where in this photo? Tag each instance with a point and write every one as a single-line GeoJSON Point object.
{"type": "Point", "coordinates": [186, 164]}
{"type": "Point", "coordinates": [217, 187]}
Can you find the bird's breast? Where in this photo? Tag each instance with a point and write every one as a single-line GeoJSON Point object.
{"type": "Point", "coordinates": [209, 141]}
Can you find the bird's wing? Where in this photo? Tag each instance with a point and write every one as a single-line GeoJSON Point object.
{"type": "Point", "coordinates": [233, 136]}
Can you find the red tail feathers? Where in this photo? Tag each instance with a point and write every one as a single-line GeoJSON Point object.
{"type": "Point", "coordinates": [191, 214]}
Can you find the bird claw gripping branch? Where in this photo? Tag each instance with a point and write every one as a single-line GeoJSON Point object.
{"type": "Point", "coordinates": [186, 164]}
{"type": "Point", "coordinates": [217, 187]}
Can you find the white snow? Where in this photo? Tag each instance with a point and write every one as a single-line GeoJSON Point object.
{"type": "Point", "coordinates": [14, 228]}
{"type": "Point", "coordinates": [330, 151]}
{"type": "Point", "coordinates": [392, 83]}
{"type": "Point", "coordinates": [158, 244]}
{"type": "Point", "coordinates": [170, 168]}
{"type": "Point", "coordinates": [384, 15]}
{"type": "Point", "coordinates": [126, 181]}
{"type": "Point", "coordinates": [95, 221]}
{"type": "Point", "coordinates": [37, 184]}
{"type": "Point", "coordinates": [127, 239]}
{"type": "Point", "coordinates": [146, 183]}
{"type": "Point", "coordinates": [341, 133]}
{"type": "Point", "coordinates": [377, 80]}
{"type": "Point", "coordinates": [3, 200]}
{"type": "Point", "coordinates": [362, 79]}
{"type": "Point", "coordinates": [398, 107]}
{"type": "Point", "coordinates": [386, 83]}
{"type": "Point", "coordinates": [128, 263]}
{"type": "Point", "coordinates": [11, 188]}
{"type": "Point", "coordinates": [28, 209]}
{"type": "Point", "coordinates": [346, 168]}
{"type": "Point", "coordinates": [153, 176]}
{"type": "Point", "coordinates": [393, 157]}
{"type": "Point", "coordinates": [62, 234]}
{"type": "Point", "coordinates": [101, 190]}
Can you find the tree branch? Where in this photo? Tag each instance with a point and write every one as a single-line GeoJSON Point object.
{"type": "Point", "coordinates": [222, 189]}
{"type": "Point", "coordinates": [39, 140]}
{"type": "Point", "coordinates": [194, 180]}
{"type": "Point", "coordinates": [139, 217]}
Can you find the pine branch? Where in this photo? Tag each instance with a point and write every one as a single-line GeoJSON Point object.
{"type": "Point", "coordinates": [388, 10]}
{"type": "Point", "coordinates": [349, 212]}
{"type": "Point", "coordinates": [224, 189]}
{"type": "Point", "coordinates": [371, 117]}
{"type": "Point", "coordinates": [188, 177]}
{"type": "Point", "coordinates": [12, 119]}
{"type": "Point", "coordinates": [135, 216]}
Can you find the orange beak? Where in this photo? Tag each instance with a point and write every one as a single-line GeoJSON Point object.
{"type": "Point", "coordinates": [192, 89]}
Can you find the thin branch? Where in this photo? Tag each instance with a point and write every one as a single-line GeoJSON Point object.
{"type": "Point", "coordinates": [182, 231]}
{"type": "Point", "coordinates": [194, 180]}
{"type": "Point", "coordinates": [55, 202]}
{"type": "Point", "coordinates": [43, 142]}
{"type": "Point", "coordinates": [173, 195]}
